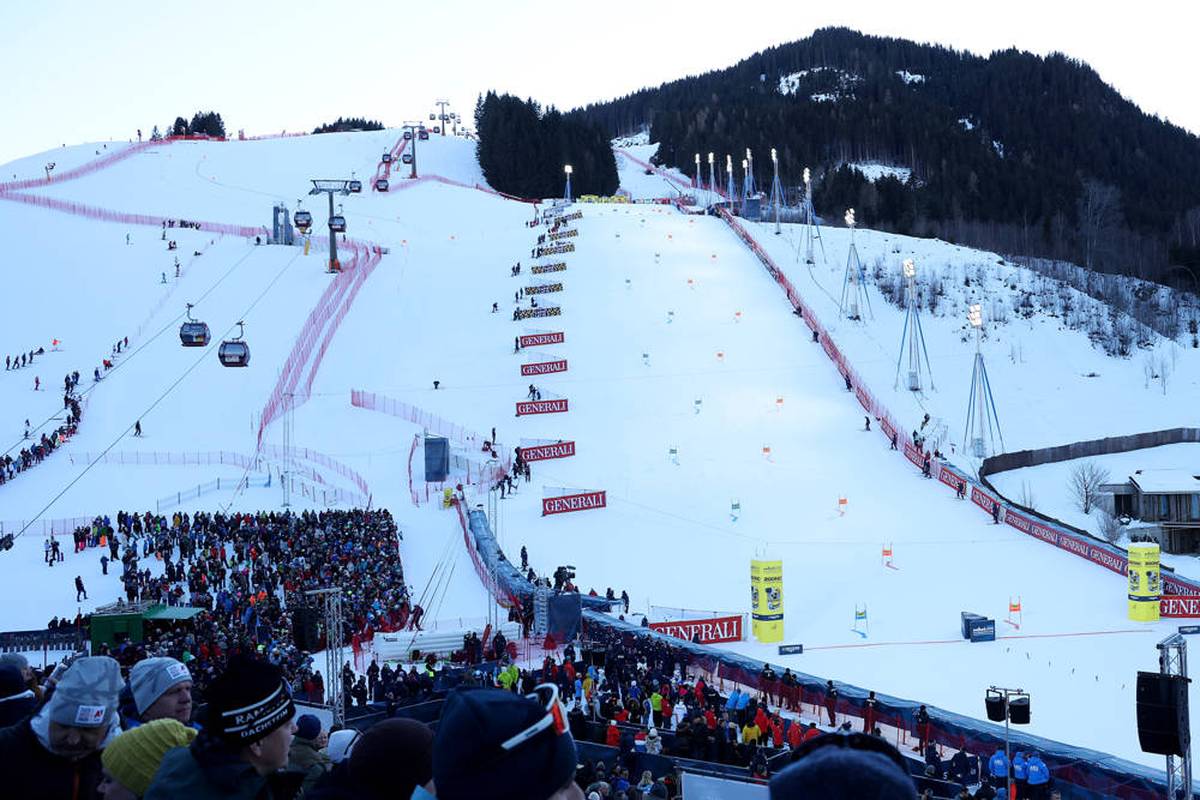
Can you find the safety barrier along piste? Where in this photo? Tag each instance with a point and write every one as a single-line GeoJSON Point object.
{"type": "Point", "coordinates": [1099, 552]}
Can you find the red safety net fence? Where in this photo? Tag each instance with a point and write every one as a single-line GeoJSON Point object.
{"type": "Point", "coordinates": [475, 473]}
{"type": "Point", "coordinates": [103, 162]}
{"type": "Point", "coordinates": [294, 385]}
{"type": "Point", "coordinates": [127, 218]}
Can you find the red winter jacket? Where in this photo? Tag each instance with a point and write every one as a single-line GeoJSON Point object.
{"type": "Point", "coordinates": [612, 736]}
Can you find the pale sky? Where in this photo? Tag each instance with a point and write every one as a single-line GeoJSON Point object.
{"type": "Point", "coordinates": [79, 71]}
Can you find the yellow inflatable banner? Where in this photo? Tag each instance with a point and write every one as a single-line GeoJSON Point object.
{"type": "Point", "coordinates": [1145, 582]}
{"type": "Point", "coordinates": [766, 600]}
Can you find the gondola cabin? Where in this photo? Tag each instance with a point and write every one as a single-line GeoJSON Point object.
{"type": "Point", "coordinates": [406, 158]}
{"type": "Point", "coordinates": [194, 333]}
{"type": "Point", "coordinates": [235, 352]}
{"type": "Point", "coordinates": [381, 185]}
{"type": "Point", "coordinates": [387, 158]}
{"type": "Point", "coordinates": [355, 187]}
{"type": "Point", "coordinates": [422, 134]}
{"type": "Point", "coordinates": [407, 135]}
{"type": "Point", "coordinates": [437, 128]}
{"type": "Point", "coordinates": [337, 224]}
{"type": "Point", "coordinates": [302, 220]}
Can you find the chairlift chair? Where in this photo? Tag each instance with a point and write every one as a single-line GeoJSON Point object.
{"type": "Point", "coordinates": [235, 352]}
{"type": "Point", "coordinates": [387, 158]}
{"type": "Point", "coordinates": [355, 187]}
{"type": "Point", "coordinates": [381, 185]}
{"type": "Point", "coordinates": [406, 158]}
{"type": "Point", "coordinates": [193, 333]}
{"type": "Point", "coordinates": [337, 224]}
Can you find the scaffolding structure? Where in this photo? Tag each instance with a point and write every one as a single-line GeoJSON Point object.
{"type": "Point", "coordinates": [810, 230]}
{"type": "Point", "coordinates": [983, 424]}
{"type": "Point", "coordinates": [854, 291]}
{"type": "Point", "coordinates": [334, 644]}
{"type": "Point", "coordinates": [912, 335]}
{"type": "Point", "coordinates": [1172, 660]}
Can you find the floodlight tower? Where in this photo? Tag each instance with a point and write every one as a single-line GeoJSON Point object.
{"type": "Point", "coordinates": [568, 170]}
{"type": "Point", "coordinates": [748, 169]}
{"type": "Point", "coordinates": [913, 335]}
{"type": "Point", "coordinates": [712, 175]}
{"type": "Point", "coordinates": [854, 290]}
{"type": "Point", "coordinates": [729, 180]}
{"type": "Point", "coordinates": [808, 218]}
{"type": "Point", "coordinates": [698, 183]}
{"type": "Point", "coordinates": [983, 424]}
{"type": "Point", "coordinates": [776, 189]}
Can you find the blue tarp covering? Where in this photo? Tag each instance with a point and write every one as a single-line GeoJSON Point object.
{"type": "Point", "coordinates": [1078, 772]}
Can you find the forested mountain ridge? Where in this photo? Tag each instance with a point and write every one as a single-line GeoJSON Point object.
{"type": "Point", "coordinates": [1015, 152]}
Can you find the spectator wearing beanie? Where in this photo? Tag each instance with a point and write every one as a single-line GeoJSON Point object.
{"type": "Point", "coordinates": [133, 757]}
{"type": "Point", "coordinates": [16, 700]}
{"type": "Point", "coordinates": [162, 689]}
{"type": "Point", "coordinates": [246, 736]}
{"type": "Point", "coordinates": [504, 746]}
{"type": "Point", "coordinates": [305, 754]}
{"type": "Point", "coordinates": [837, 767]}
{"type": "Point", "coordinates": [22, 664]}
{"type": "Point", "coordinates": [56, 752]}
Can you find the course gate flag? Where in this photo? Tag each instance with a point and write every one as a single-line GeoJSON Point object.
{"type": "Point", "coordinates": [1145, 582]}
{"type": "Point", "coordinates": [766, 600]}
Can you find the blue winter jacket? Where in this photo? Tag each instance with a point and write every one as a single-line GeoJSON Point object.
{"type": "Point", "coordinates": [1039, 773]}
{"type": "Point", "coordinates": [1019, 771]}
{"type": "Point", "coordinates": [998, 765]}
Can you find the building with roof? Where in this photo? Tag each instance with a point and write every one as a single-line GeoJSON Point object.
{"type": "Point", "coordinates": [1166, 501]}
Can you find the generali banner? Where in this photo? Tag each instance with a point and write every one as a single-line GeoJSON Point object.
{"type": "Point", "coordinates": [544, 451]}
{"type": "Point", "coordinates": [704, 631]}
{"type": "Point", "coordinates": [556, 406]}
{"type": "Point", "coordinates": [544, 367]}
{"type": "Point", "coordinates": [528, 313]}
{"type": "Point", "coordinates": [537, 339]}
{"type": "Point", "coordinates": [574, 502]}
{"type": "Point", "coordinates": [1172, 605]}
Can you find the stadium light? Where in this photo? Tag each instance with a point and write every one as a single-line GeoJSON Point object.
{"type": "Point", "coordinates": [567, 169]}
{"type": "Point", "coordinates": [849, 217]}
{"type": "Point", "coordinates": [774, 159]}
{"type": "Point", "coordinates": [806, 176]}
{"type": "Point", "coordinates": [975, 315]}
{"type": "Point", "coordinates": [710, 159]}
{"type": "Point", "coordinates": [910, 269]}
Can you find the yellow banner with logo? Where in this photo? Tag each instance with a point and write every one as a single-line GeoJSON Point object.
{"type": "Point", "coordinates": [766, 600]}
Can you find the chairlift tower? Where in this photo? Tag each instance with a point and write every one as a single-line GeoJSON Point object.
{"type": "Point", "coordinates": [412, 128]}
{"type": "Point", "coordinates": [332, 187]}
{"type": "Point", "coordinates": [854, 291]}
{"type": "Point", "coordinates": [913, 336]}
{"type": "Point", "coordinates": [983, 424]}
{"type": "Point", "coordinates": [776, 190]}
{"type": "Point", "coordinates": [810, 231]}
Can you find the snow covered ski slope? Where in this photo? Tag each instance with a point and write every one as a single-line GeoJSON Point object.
{"type": "Point", "coordinates": [697, 402]}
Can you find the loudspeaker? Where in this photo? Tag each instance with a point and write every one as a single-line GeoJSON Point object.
{"type": "Point", "coordinates": [1018, 711]}
{"type": "Point", "coordinates": [437, 458]}
{"type": "Point", "coordinates": [995, 707]}
{"type": "Point", "coordinates": [1162, 713]}
{"type": "Point", "coordinates": [304, 629]}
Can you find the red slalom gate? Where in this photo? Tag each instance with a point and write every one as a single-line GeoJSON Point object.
{"type": "Point", "coordinates": [544, 367]}
{"type": "Point", "coordinates": [564, 504]}
{"type": "Point", "coordinates": [538, 339]}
